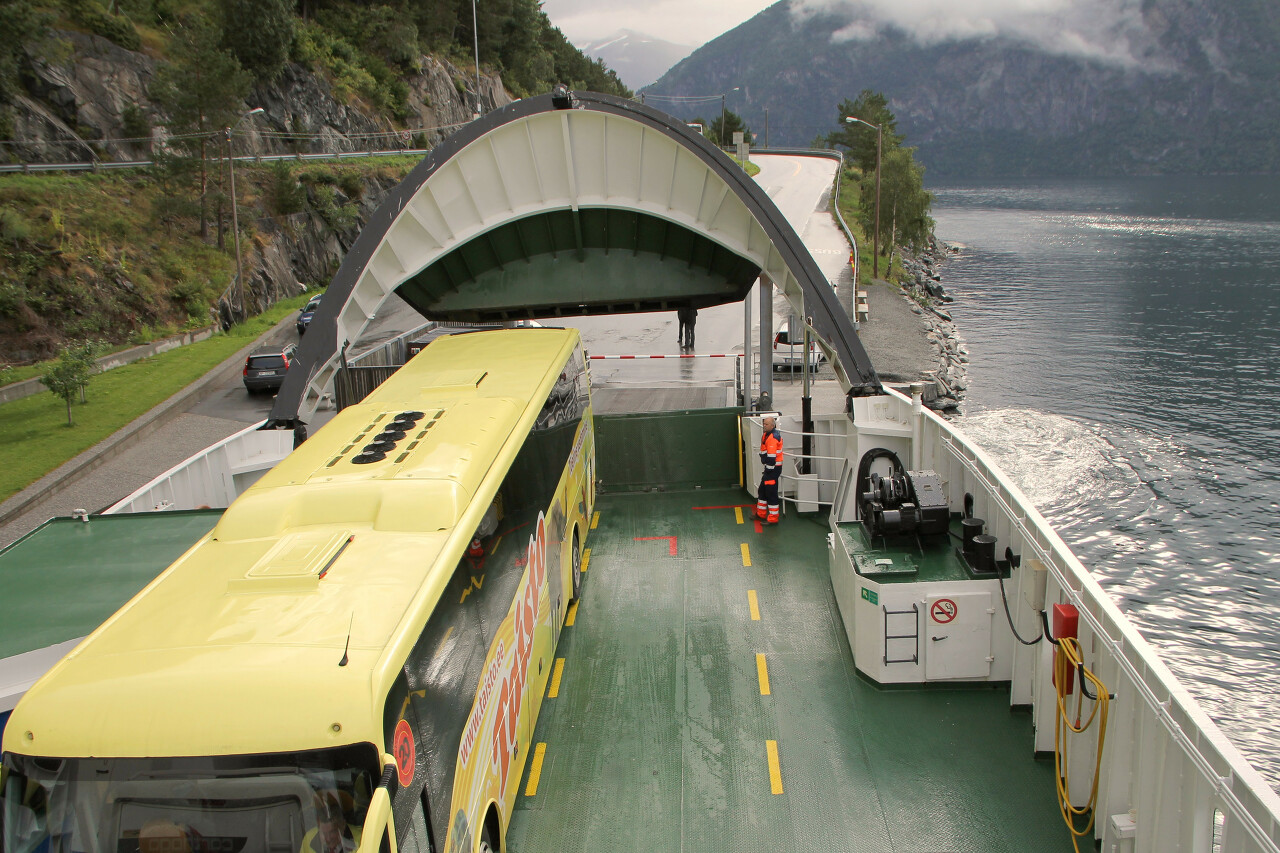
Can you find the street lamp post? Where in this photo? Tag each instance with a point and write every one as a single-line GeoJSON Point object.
{"type": "Point", "coordinates": [875, 242]}
{"type": "Point", "coordinates": [723, 114]}
{"type": "Point", "coordinates": [475, 31]}
{"type": "Point", "coordinates": [235, 216]}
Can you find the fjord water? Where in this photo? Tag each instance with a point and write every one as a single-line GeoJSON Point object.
{"type": "Point", "coordinates": [1124, 338]}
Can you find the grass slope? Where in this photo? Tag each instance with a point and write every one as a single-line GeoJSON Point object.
{"type": "Point", "coordinates": [34, 431]}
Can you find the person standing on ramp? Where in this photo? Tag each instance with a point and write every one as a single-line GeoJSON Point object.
{"type": "Point", "coordinates": [771, 458]}
{"type": "Point", "coordinates": [687, 317]}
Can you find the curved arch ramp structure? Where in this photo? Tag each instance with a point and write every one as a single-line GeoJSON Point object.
{"type": "Point", "coordinates": [563, 206]}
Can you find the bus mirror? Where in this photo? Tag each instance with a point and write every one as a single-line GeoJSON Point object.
{"type": "Point", "coordinates": [379, 813]}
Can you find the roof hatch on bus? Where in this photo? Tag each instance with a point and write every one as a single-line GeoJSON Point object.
{"type": "Point", "coordinates": [296, 563]}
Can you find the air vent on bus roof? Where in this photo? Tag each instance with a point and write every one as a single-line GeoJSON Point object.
{"type": "Point", "coordinates": [386, 433]}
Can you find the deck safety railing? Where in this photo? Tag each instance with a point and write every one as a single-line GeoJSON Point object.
{"type": "Point", "coordinates": [1170, 779]}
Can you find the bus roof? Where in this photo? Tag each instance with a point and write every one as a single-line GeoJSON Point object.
{"type": "Point", "coordinates": [236, 648]}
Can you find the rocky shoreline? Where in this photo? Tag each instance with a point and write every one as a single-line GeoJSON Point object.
{"type": "Point", "coordinates": [924, 291]}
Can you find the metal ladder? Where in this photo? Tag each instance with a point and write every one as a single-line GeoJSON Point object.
{"type": "Point", "coordinates": [914, 636]}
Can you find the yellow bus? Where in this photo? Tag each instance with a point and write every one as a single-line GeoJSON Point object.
{"type": "Point", "coordinates": [355, 657]}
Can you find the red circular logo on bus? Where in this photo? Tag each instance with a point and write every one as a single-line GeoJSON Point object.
{"type": "Point", "coordinates": [402, 748]}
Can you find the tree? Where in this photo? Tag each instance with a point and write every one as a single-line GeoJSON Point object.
{"type": "Point", "coordinates": [85, 354]}
{"type": "Point", "coordinates": [202, 91]}
{"type": "Point", "coordinates": [859, 139]}
{"type": "Point", "coordinates": [25, 28]}
{"type": "Point", "coordinates": [259, 34]}
{"type": "Point", "coordinates": [732, 124]}
{"type": "Point", "coordinates": [904, 203]}
{"type": "Point", "coordinates": [68, 377]}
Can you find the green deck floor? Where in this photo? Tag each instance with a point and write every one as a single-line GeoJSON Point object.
{"type": "Point", "coordinates": [657, 738]}
{"type": "Point", "coordinates": [64, 578]}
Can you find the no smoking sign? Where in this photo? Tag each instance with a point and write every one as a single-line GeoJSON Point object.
{"type": "Point", "coordinates": [943, 611]}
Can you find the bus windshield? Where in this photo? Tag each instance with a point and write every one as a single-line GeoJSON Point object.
{"type": "Point", "coordinates": [303, 802]}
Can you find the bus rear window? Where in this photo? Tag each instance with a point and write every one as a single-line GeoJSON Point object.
{"type": "Point", "coordinates": [310, 802]}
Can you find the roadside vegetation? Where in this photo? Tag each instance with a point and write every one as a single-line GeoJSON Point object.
{"type": "Point", "coordinates": [34, 430]}
{"type": "Point", "coordinates": [904, 203]}
{"type": "Point", "coordinates": [115, 256]}
{"type": "Point", "coordinates": [129, 257]}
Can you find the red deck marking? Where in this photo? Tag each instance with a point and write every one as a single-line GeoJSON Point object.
{"type": "Point", "coordinates": [726, 506]}
{"type": "Point", "coordinates": [759, 527]}
{"type": "Point", "coordinates": [511, 529]}
{"type": "Point", "coordinates": [671, 541]}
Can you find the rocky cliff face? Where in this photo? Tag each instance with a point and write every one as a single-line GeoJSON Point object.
{"type": "Point", "coordinates": [117, 275]}
{"type": "Point", "coordinates": [76, 108]}
{"type": "Point", "coordinates": [1169, 86]}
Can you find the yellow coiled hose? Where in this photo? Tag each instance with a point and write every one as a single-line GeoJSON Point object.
{"type": "Point", "coordinates": [1070, 659]}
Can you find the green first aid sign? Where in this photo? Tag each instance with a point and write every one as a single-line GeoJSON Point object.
{"type": "Point", "coordinates": [870, 595]}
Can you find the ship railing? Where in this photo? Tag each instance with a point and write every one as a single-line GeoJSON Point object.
{"type": "Point", "coordinates": [1169, 778]}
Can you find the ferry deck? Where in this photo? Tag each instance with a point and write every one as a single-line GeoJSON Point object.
{"type": "Point", "coordinates": [708, 700]}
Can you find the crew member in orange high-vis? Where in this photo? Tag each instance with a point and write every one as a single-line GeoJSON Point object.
{"type": "Point", "coordinates": [771, 458]}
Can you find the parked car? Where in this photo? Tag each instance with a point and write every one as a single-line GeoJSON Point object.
{"type": "Point", "coordinates": [305, 315]}
{"type": "Point", "coordinates": [788, 353]}
{"type": "Point", "coordinates": [265, 368]}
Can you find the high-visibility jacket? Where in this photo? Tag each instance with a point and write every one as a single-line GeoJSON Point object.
{"type": "Point", "coordinates": [771, 449]}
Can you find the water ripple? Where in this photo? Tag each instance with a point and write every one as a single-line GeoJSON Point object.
{"type": "Point", "coordinates": [1125, 339]}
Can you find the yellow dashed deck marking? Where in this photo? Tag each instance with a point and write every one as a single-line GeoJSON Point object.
{"type": "Point", "coordinates": [754, 604]}
{"type": "Point", "coordinates": [494, 549]}
{"type": "Point", "coordinates": [746, 555]}
{"type": "Point", "coordinates": [586, 559]}
{"type": "Point", "coordinates": [556, 675]}
{"type": "Point", "coordinates": [737, 513]}
{"type": "Point", "coordinates": [595, 519]}
{"type": "Point", "coordinates": [762, 671]}
{"type": "Point", "coordinates": [771, 746]}
{"type": "Point", "coordinates": [571, 615]}
{"type": "Point", "coordinates": [535, 771]}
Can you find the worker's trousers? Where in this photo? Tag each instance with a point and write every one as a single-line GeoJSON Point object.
{"type": "Point", "coordinates": [767, 495]}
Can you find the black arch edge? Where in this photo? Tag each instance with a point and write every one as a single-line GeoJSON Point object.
{"type": "Point", "coordinates": [822, 311]}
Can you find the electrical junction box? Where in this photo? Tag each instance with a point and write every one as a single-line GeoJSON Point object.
{"type": "Point", "coordinates": [935, 512]}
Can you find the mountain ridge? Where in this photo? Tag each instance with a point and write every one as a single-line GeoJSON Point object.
{"type": "Point", "coordinates": [637, 58]}
{"type": "Point", "coordinates": [1199, 98]}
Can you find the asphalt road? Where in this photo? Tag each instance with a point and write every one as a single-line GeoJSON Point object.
{"type": "Point", "coordinates": [799, 186]}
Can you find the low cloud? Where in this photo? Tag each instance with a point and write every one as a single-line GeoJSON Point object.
{"type": "Point", "coordinates": [1107, 31]}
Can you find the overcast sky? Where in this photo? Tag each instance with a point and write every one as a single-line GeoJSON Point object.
{"type": "Point", "coordinates": [689, 22]}
{"type": "Point", "coordinates": [1108, 30]}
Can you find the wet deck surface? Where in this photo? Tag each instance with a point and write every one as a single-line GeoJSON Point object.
{"type": "Point", "coordinates": [661, 733]}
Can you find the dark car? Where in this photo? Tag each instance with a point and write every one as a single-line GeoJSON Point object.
{"type": "Point", "coordinates": [264, 370]}
{"type": "Point", "coordinates": [305, 315]}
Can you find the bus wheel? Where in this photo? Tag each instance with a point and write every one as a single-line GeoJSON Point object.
{"type": "Point", "coordinates": [577, 568]}
{"type": "Point", "coordinates": [486, 843]}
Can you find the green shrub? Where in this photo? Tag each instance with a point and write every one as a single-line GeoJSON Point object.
{"type": "Point", "coordinates": [352, 185]}
{"type": "Point", "coordinates": [14, 227]}
{"type": "Point", "coordinates": [339, 216]}
{"type": "Point", "coordinates": [135, 123]}
{"type": "Point", "coordinates": [286, 195]}
{"type": "Point", "coordinates": [99, 21]}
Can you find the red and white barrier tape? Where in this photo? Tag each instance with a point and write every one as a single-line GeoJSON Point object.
{"type": "Point", "coordinates": [682, 355]}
